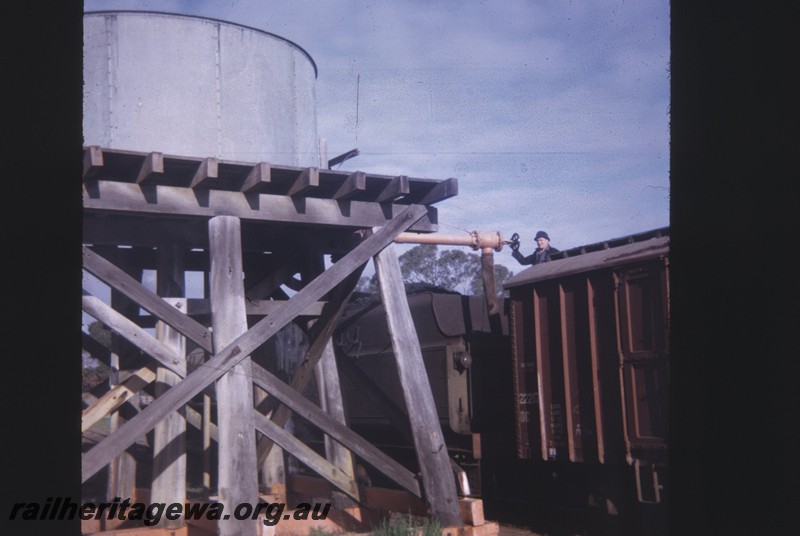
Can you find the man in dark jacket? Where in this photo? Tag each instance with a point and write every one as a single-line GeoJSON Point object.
{"type": "Point", "coordinates": [542, 253]}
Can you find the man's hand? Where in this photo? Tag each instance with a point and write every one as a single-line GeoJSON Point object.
{"type": "Point", "coordinates": [515, 242]}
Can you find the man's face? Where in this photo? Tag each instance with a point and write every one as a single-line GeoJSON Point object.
{"type": "Point", "coordinates": [543, 242]}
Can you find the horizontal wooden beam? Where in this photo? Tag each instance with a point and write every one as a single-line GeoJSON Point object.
{"type": "Point", "coordinates": [354, 184]}
{"type": "Point", "coordinates": [257, 179]}
{"type": "Point", "coordinates": [307, 180]}
{"type": "Point", "coordinates": [116, 278]}
{"type": "Point", "coordinates": [316, 416]}
{"type": "Point", "coordinates": [126, 198]}
{"type": "Point", "coordinates": [207, 174]}
{"type": "Point", "coordinates": [92, 162]}
{"type": "Point", "coordinates": [152, 167]}
{"type": "Point", "coordinates": [110, 447]}
{"type": "Point", "coordinates": [440, 192]}
{"type": "Point", "coordinates": [202, 306]}
{"type": "Point", "coordinates": [251, 178]}
{"type": "Point", "coordinates": [396, 188]}
{"type": "Point", "coordinates": [133, 333]}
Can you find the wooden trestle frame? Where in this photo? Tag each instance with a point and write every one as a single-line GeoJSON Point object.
{"type": "Point", "coordinates": [173, 214]}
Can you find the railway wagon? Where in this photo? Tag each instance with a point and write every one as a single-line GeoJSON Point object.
{"type": "Point", "coordinates": [589, 373]}
{"type": "Point", "coordinates": [557, 408]}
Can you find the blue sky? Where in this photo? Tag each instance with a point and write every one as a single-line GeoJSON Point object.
{"type": "Point", "coordinates": [553, 115]}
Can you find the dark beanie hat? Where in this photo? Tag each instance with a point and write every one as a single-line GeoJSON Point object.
{"type": "Point", "coordinates": [541, 234]}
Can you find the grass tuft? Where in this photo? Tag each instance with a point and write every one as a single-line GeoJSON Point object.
{"type": "Point", "coordinates": [408, 526]}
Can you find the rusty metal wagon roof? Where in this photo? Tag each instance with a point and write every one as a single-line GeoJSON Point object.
{"type": "Point", "coordinates": [596, 256]}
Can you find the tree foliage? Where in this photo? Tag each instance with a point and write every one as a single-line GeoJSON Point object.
{"type": "Point", "coordinates": [451, 269]}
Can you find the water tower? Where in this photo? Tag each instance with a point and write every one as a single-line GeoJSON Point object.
{"type": "Point", "coordinates": [201, 155]}
{"type": "Point", "coordinates": [193, 86]}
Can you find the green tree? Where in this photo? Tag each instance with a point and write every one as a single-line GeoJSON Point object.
{"type": "Point", "coordinates": [451, 269]}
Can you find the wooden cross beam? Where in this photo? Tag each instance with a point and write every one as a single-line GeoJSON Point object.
{"type": "Point", "coordinates": [395, 188]}
{"type": "Point", "coordinates": [308, 456]}
{"type": "Point", "coordinates": [207, 173]}
{"type": "Point", "coordinates": [152, 168]}
{"type": "Point", "coordinates": [355, 183]}
{"type": "Point", "coordinates": [102, 453]}
{"type": "Point", "coordinates": [258, 177]}
{"type": "Point", "coordinates": [316, 416]}
{"type": "Point", "coordinates": [443, 190]}
{"type": "Point", "coordinates": [202, 307]}
{"type": "Point", "coordinates": [133, 333]}
{"type": "Point", "coordinates": [321, 333]}
{"type": "Point", "coordinates": [116, 397]}
{"type": "Point", "coordinates": [119, 198]}
{"type": "Point", "coordinates": [307, 180]}
{"type": "Point", "coordinates": [92, 162]}
{"type": "Point", "coordinates": [106, 272]}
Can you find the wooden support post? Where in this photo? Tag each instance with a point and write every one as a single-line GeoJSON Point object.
{"type": "Point", "coordinates": [330, 397]}
{"type": "Point", "coordinates": [434, 462]}
{"type": "Point", "coordinates": [206, 429]}
{"type": "Point", "coordinates": [273, 467]}
{"type": "Point", "coordinates": [169, 436]}
{"type": "Point", "coordinates": [328, 387]}
{"type": "Point", "coordinates": [122, 471]}
{"type": "Point", "coordinates": [238, 482]}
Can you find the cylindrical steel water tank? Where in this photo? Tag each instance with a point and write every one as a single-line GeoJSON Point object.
{"type": "Point", "coordinates": [190, 86]}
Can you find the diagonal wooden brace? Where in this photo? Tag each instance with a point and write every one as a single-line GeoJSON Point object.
{"type": "Point", "coordinates": [145, 298]}
{"type": "Point", "coordinates": [316, 416]}
{"type": "Point", "coordinates": [134, 334]}
{"type": "Point", "coordinates": [308, 456]}
{"type": "Point", "coordinates": [320, 335]}
{"type": "Point", "coordinates": [102, 453]}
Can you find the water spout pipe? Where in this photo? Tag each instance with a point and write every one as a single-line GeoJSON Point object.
{"type": "Point", "coordinates": [487, 241]}
{"type": "Point", "coordinates": [475, 239]}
